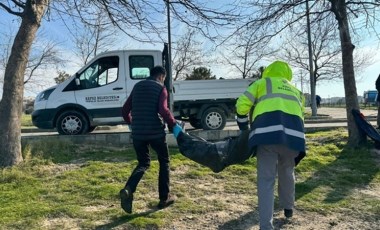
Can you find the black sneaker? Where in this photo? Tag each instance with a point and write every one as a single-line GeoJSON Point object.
{"type": "Point", "coordinates": [126, 198]}
{"type": "Point", "coordinates": [165, 203]}
{"type": "Point", "coordinates": [288, 213]}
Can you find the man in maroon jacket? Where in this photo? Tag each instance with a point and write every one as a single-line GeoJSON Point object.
{"type": "Point", "coordinates": [146, 111]}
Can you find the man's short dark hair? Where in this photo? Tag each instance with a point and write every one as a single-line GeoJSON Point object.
{"type": "Point", "coordinates": [157, 71]}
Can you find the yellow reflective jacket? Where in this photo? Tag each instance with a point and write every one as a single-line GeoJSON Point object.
{"type": "Point", "coordinates": [277, 117]}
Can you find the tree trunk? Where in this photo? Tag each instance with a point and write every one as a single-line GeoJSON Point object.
{"type": "Point", "coordinates": [355, 136]}
{"type": "Point", "coordinates": [11, 102]}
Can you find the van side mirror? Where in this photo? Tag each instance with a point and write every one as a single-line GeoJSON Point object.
{"type": "Point", "coordinates": [77, 81]}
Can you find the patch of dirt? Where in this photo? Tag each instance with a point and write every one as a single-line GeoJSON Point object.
{"type": "Point", "coordinates": [59, 168]}
{"type": "Point", "coordinates": [238, 212]}
{"type": "Point", "coordinates": [60, 223]}
{"type": "Point", "coordinates": [244, 218]}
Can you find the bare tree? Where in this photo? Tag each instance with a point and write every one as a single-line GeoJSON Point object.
{"type": "Point", "coordinates": [31, 13]}
{"type": "Point", "coordinates": [187, 54]}
{"type": "Point", "coordinates": [326, 54]}
{"type": "Point", "coordinates": [136, 18]}
{"type": "Point", "coordinates": [90, 39]}
{"type": "Point", "coordinates": [326, 51]}
{"type": "Point", "coordinates": [44, 55]}
{"type": "Point", "coordinates": [246, 51]}
{"type": "Point", "coordinates": [280, 15]}
{"type": "Point", "coordinates": [142, 19]}
{"type": "Point", "coordinates": [41, 58]}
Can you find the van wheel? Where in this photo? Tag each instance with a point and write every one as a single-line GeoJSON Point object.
{"type": "Point", "coordinates": [213, 119]}
{"type": "Point", "coordinates": [72, 123]}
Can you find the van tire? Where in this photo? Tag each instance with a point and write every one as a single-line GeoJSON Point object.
{"type": "Point", "coordinates": [72, 123]}
{"type": "Point", "coordinates": [214, 119]}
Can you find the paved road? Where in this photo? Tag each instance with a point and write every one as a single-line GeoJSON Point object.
{"type": "Point", "coordinates": [337, 116]}
{"type": "Point", "coordinates": [338, 113]}
{"type": "Point", "coordinates": [336, 119]}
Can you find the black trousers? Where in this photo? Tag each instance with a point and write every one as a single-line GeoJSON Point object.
{"type": "Point", "coordinates": [143, 156]}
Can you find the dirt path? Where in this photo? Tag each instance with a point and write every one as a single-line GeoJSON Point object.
{"type": "Point", "coordinates": [242, 217]}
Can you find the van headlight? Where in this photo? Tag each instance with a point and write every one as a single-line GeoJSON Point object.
{"type": "Point", "coordinates": [44, 95]}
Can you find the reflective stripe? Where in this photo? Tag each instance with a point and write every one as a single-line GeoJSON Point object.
{"type": "Point", "coordinates": [270, 94]}
{"type": "Point", "coordinates": [280, 95]}
{"type": "Point", "coordinates": [269, 85]}
{"type": "Point", "coordinates": [250, 96]}
{"type": "Point", "coordinates": [275, 128]}
{"type": "Point", "coordinates": [242, 119]}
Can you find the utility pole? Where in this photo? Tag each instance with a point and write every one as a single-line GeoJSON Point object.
{"type": "Point", "coordinates": [169, 74]}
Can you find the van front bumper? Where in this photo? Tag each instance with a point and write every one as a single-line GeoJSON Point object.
{"type": "Point", "coordinates": [44, 118]}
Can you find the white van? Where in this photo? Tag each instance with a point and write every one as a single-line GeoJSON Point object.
{"type": "Point", "coordinates": [95, 94]}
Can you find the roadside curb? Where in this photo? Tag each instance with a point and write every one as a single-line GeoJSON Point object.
{"type": "Point", "coordinates": [124, 138]}
{"type": "Point", "coordinates": [107, 128]}
{"type": "Point", "coordinates": [37, 130]}
{"type": "Point", "coordinates": [334, 120]}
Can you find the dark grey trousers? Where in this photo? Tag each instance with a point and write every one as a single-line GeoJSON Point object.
{"type": "Point", "coordinates": [273, 160]}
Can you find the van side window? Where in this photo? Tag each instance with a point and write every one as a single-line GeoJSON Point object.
{"type": "Point", "coordinates": [140, 65]}
{"type": "Point", "coordinates": [102, 72]}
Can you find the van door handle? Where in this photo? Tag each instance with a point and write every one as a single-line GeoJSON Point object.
{"type": "Point", "coordinates": [118, 88]}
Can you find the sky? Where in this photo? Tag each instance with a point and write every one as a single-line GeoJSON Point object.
{"type": "Point", "coordinates": [56, 31]}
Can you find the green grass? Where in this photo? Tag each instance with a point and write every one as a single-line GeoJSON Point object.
{"type": "Point", "coordinates": [26, 120]}
{"type": "Point", "coordinates": [64, 186]}
{"type": "Point", "coordinates": [333, 172]}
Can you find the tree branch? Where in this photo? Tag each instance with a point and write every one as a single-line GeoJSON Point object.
{"type": "Point", "coordinates": [19, 14]}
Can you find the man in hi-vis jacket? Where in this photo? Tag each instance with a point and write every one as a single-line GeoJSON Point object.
{"type": "Point", "coordinates": [277, 134]}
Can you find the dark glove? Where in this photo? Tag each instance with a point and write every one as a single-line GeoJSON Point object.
{"type": "Point", "coordinates": [242, 121]}
{"type": "Point", "coordinates": [300, 156]}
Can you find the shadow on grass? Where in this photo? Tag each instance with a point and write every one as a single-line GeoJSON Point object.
{"type": "Point", "coordinates": [246, 221]}
{"type": "Point", "coordinates": [352, 169]}
{"type": "Point", "coordinates": [250, 220]}
{"type": "Point", "coordinates": [125, 219]}
{"type": "Point", "coordinates": [61, 152]}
